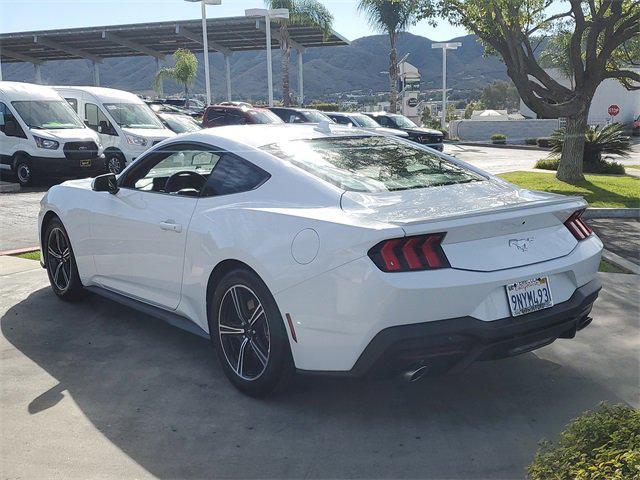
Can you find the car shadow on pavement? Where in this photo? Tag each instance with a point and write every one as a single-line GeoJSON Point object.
{"type": "Point", "coordinates": [158, 395]}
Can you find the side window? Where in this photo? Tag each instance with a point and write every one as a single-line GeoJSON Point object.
{"type": "Point", "coordinates": [235, 118]}
{"type": "Point", "coordinates": [341, 120]}
{"type": "Point", "coordinates": [234, 175]}
{"type": "Point", "coordinates": [384, 121]}
{"type": "Point", "coordinates": [295, 118]}
{"type": "Point", "coordinates": [9, 124]}
{"type": "Point", "coordinates": [98, 121]}
{"type": "Point", "coordinates": [177, 170]}
{"type": "Point", "coordinates": [215, 116]}
{"type": "Point", "coordinates": [73, 102]}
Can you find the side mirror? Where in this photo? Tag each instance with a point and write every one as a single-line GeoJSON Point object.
{"type": "Point", "coordinates": [105, 183]}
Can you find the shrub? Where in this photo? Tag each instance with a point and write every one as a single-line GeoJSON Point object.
{"type": "Point", "coordinates": [606, 167]}
{"type": "Point", "coordinates": [498, 138]}
{"type": "Point", "coordinates": [531, 141]}
{"type": "Point", "coordinates": [543, 142]}
{"type": "Point", "coordinates": [597, 141]}
{"type": "Point", "coordinates": [604, 444]}
{"type": "Point", "coordinates": [326, 106]}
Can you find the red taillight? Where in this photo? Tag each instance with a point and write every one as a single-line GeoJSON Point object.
{"type": "Point", "coordinates": [419, 252]}
{"type": "Point", "coordinates": [577, 225]}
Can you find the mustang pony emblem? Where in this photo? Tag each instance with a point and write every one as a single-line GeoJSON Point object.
{"type": "Point", "coordinates": [521, 244]}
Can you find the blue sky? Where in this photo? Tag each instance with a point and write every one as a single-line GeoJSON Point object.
{"type": "Point", "coordinates": [27, 15]}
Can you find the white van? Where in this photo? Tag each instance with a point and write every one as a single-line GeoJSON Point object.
{"type": "Point", "coordinates": [125, 124]}
{"type": "Point", "coordinates": [40, 135]}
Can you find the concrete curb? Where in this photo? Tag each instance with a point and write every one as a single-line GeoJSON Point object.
{"type": "Point", "coordinates": [18, 251]}
{"type": "Point", "coordinates": [612, 213]}
{"type": "Point", "coordinates": [516, 146]}
{"type": "Point", "coordinates": [620, 262]}
{"type": "Point", "coordinates": [6, 187]}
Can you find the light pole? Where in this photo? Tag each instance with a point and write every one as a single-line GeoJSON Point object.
{"type": "Point", "coordinates": [445, 46]}
{"type": "Point", "coordinates": [205, 43]}
{"type": "Point", "coordinates": [268, 15]}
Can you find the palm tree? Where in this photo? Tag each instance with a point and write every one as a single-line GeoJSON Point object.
{"type": "Point", "coordinates": [391, 17]}
{"type": "Point", "coordinates": [184, 71]}
{"type": "Point", "coordinates": [303, 13]}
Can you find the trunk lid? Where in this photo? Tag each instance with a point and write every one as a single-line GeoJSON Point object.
{"type": "Point", "coordinates": [490, 225]}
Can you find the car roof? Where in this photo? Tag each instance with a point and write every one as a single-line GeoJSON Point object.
{"type": "Point", "coordinates": [27, 91]}
{"type": "Point", "coordinates": [266, 134]}
{"type": "Point", "coordinates": [104, 94]}
{"type": "Point", "coordinates": [242, 108]}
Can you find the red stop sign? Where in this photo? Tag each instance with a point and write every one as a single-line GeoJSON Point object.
{"type": "Point", "coordinates": [613, 110]}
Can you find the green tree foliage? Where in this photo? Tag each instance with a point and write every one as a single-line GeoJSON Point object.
{"type": "Point", "coordinates": [184, 71]}
{"type": "Point", "coordinates": [393, 17]}
{"type": "Point", "coordinates": [602, 43]}
{"type": "Point", "coordinates": [500, 95]}
{"type": "Point", "coordinates": [599, 445]}
{"type": "Point", "coordinates": [301, 13]}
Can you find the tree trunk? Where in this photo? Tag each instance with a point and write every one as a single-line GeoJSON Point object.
{"type": "Point", "coordinates": [285, 50]}
{"type": "Point", "coordinates": [186, 96]}
{"type": "Point", "coordinates": [570, 168]}
{"type": "Point", "coordinates": [393, 73]}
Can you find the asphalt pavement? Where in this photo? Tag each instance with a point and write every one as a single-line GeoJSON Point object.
{"type": "Point", "coordinates": [96, 390]}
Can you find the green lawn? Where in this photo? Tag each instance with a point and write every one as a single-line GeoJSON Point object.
{"type": "Point", "coordinates": [633, 166]}
{"type": "Point", "coordinates": [610, 267]}
{"type": "Point", "coordinates": [598, 190]}
{"type": "Point", "coordinates": [35, 255]}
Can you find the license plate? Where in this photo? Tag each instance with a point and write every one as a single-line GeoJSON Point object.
{"type": "Point", "coordinates": [529, 296]}
{"type": "Point", "coordinates": [85, 163]}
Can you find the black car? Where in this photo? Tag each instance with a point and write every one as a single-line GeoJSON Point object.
{"type": "Point", "coordinates": [300, 115]}
{"type": "Point", "coordinates": [425, 136]}
{"type": "Point", "coordinates": [179, 123]}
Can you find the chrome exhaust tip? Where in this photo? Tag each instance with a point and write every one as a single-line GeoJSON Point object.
{"type": "Point", "coordinates": [416, 373]}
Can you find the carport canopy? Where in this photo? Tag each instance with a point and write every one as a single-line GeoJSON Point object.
{"type": "Point", "coordinates": [225, 35]}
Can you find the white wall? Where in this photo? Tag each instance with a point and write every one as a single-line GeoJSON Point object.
{"type": "Point", "coordinates": [609, 92]}
{"type": "Point", "coordinates": [515, 130]}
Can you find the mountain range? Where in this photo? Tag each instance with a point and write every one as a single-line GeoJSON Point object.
{"type": "Point", "coordinates": [357, 67]}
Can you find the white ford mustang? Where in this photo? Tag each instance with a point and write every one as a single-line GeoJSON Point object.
{"type": "Point", "coordinates": [325, 249]}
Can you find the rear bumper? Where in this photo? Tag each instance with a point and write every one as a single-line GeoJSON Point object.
{"type": "Point", "coordinates": [455, 343]}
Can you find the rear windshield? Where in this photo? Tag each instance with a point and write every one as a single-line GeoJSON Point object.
{"type": "Point", "coordinates": [264, 116]}
{"type": "Point", "coordinates": [313, 116]}
{"type": "Point", "coordinates": [371, 164]}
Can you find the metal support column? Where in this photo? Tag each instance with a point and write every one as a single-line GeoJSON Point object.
{"type": "Point", "coordinates": [96, 74]}
{"type": "Point", "coordinates": [269, 67]}
{"type": "Point", "coordinates": [300, 78]}
{"type": "Point", "coordinates": [205, 39]}
{"type": "Point", "coordinates": [38, 73]}
{"type": "Point", "coordinates": [227, 71]}
{"type": "Point", "coordinates": [161, 83]}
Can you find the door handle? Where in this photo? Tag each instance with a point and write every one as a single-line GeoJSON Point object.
{"type": "Point", "coordinates": [171, 226]}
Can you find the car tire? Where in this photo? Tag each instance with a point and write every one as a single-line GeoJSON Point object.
{"type": "Point", "coordinates": [252, 345]}
{"type": "Point", "coordinates": [114, 162]}
{"type": "Point", "coordinates": [60, 262]}
{"type": "Point", "coordinates": [24, 172]}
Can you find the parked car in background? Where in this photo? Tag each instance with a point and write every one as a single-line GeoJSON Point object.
{"type": "Point", "coordinates": [360, 120]}
{"type": "Point", "coordinates": [636, 126]}
{"type": "Point", "coordinates": [220, 115]}
{"type": "Point", "coordinates": [41, 136]}
{"type": "Point", "coordinates": [425, 136]}
{"type": "Point", "coordinates": [300, 115]}
{"type": "Point", "coordinates": [157, 106]}
{"type": "Point", "coordinates": [125, 124]}
{"type": "Point", "coordinates": [327, 250]}
{"type": "Point", "coordinates": [179, 123]}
